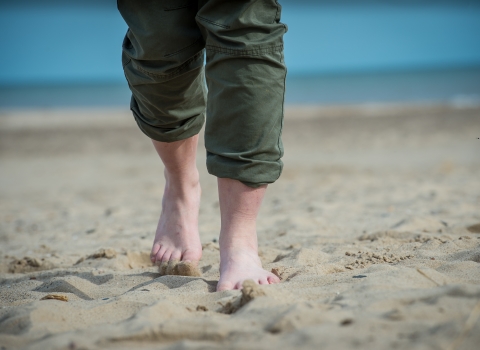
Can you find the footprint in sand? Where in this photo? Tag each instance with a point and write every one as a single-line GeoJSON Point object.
{"type": "Point", "coordinates": [28, 264]}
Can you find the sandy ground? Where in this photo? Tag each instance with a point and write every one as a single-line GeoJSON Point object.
{"type": "Point", "coordinates": [374, 229]}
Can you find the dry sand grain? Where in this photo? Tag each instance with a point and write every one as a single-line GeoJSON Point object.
{"type": "Point", "coordinates": [373, 229]}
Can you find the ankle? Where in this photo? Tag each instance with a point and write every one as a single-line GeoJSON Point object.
{"type": "Point", "coordinates": [238, 254]}
{"type": "Point", "coordinates": [231, 245]}
{"type": "Point", "coordinates": [182, 180]}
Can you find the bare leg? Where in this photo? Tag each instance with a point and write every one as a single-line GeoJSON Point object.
{"type": "Point", "coordinates": [239, 261]}
{"type": "Point", "coordinates": [177, 232]}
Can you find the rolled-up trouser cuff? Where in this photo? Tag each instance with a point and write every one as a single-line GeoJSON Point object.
{"type": "Point", "coordinates": [190, 127]}
{"type": "Point", "coordinates": [168, 106]}
{"type": "Point", "coordinates": [244, 170]}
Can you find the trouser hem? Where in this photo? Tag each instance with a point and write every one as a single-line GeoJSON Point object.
{"type": "Point", "coordinates": [191, 128]}
{"type": "Point", "coordinates": [254, 173]}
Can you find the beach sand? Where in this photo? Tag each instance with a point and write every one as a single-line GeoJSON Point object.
{"type": "Point", "coordinates": [374, 229]}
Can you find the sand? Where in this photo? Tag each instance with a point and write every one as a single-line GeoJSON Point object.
{"type": "Point", "coordinates": [374, 229]}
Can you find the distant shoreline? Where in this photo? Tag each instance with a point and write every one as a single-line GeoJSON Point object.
{"type": "Point", "coordinates": [15, 119]}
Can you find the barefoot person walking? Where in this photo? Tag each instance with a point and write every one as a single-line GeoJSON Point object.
{"type": "Point", "coordinates": [163, 60]}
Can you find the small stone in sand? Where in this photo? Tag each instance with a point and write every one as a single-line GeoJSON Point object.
{"type": "Point", "coordinates": [55, 297]}
{"type": "Point", "coordinates": [276, 272]}
{"type": "Point", "coordinates": [359, 276]}
{"type": "Point", "coordinates": [346, 322]}
{"type": "Point", "coordinates": [474, 228]}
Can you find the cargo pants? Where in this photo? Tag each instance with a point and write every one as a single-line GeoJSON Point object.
{"type": "Point", "coordinates": [242, 102]}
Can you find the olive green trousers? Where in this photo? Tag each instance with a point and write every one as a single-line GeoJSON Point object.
{"type": "Point", "coordinates": [242, 101]}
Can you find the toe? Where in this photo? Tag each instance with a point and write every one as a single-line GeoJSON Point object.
{"type": "Point", "coordinates": [160, 254]}
{"type": "Point", "coordinates": [263, 280]}
{"type": "Point", "coordinates": [272, 279]}
{"type": "Point", "coordinates": [239, 285]}
{"type": "Point", "coordinates": [190, 255]}
{"type": "Point", "coordinates": [156, 247]}
{"type": "Point", "coordinates": [176, 255]}
{"type": "Point", "coordinates": [166, 256]}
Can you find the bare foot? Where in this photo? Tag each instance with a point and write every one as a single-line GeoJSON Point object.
{"type": "Point", "coordinates": [239, 265]}
{"type": "Point", "coordinates": [239, 261]}
{"type": "Point", "coordinates": [177, 236]}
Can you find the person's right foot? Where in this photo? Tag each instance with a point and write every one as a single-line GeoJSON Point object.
{"type": "Point", "coordinates": [177, 237]}
{"type": "Point", "coordinates": [238, 265]}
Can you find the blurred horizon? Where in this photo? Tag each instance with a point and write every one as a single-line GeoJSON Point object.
{"type": "Point", "coordinates": [358, 48]}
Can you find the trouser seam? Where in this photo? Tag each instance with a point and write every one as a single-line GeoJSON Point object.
{"type": "Point", "coordinates": [176, 72]}
{"type": "Point", "coordinates": [283, 115]}
{"type": "Point", "coordinates": [179, 7]}
{"type": "Point", "coordinates": [186, 47]}
{"type": "Point", "coordinates": [212, 22]}
{"type": "Point", "coordinates": [129, 60]}
{"type": "Point", "coordinates": [276, 14]}
{"type": "Point", "coordinates": [250, 52]}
